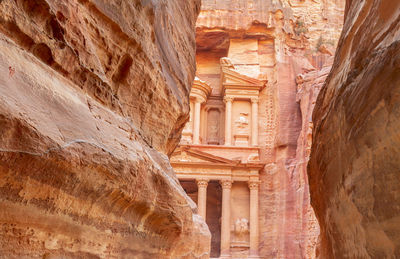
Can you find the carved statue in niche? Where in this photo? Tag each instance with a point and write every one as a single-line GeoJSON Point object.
{"type": "Point", "coordinates": [242, 124]}
{"type": "Point", "coordinates": [213, 127]}
{"type": "Point", "coordinates": [241, 229]}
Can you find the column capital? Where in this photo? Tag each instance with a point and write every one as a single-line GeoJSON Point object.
{"type": "Point", "coordinates": [254, 100]}
{"type": "Point", "coordinates": [226, 184]}
{"type": "Point", "coordinates": [202, 182]}
{"type": "Point", "coordinates": [228, 99]}
{"type": "Point", "coordinates": [253, 184]}
{"type": "Point", "coordinates": [199, 99]}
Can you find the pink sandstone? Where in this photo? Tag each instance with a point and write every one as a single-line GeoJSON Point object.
{"type": "Point", "coordinates": [93, 97]}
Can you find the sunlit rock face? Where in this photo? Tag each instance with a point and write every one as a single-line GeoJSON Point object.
{"type": "Point", "coordinates": [93, 97]}
{"type": "Point", "coordinates": [354, 166]}
{"type": "Point", "coordinates": [289, 43]}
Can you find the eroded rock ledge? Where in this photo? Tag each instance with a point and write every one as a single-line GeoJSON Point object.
{"type": "Point", "coordinates": [93, 96]}
{"type": "Point", "coordinates": [354, 166]}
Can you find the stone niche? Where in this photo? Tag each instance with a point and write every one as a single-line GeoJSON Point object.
{"type": "Point", "coordinates": [241, 123]}
{"type": "Point", "coordinates": [213, 126]}
{"type": "Point", "coordinates": [240, 219]}
{"type": "Point", "coordinates": [241, 95]}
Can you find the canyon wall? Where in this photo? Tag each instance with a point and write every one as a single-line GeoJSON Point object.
{"type": "Point", "coordinates": [290, 43]}
{"type": "Point", "coordinates": [354, 165]}
{"type": "Point", "coordinates": [93, 98]}
{"type": "Point", "coordinates": [308, 87]}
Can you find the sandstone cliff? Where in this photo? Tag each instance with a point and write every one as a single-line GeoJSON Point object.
{"type": "Point", "coordinates": [277, 41]}
{"type": "Point", "coordinates": [93, 97]}
{"type": "Point", "coordinates": [354, 166]}
{"type": "Point", "coordinates": [308, 87]}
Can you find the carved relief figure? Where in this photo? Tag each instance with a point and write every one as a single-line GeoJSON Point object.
{"type": "Point", "coordinates": [241, 228]}
{"type": "Point", "coordinates": [242, 124]}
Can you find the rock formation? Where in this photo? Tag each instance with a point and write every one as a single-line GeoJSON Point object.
{"type": "Point", "coordinates": [354, 165]}
{"type": "Point", "coordinates": [93, 97]}
{"type": "Point", "coordinates": [308, 87]}
{"type": "Point", "coordinates": [275, 41]}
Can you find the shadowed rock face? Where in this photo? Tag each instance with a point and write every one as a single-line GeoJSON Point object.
{"type": "Point", "coordinates": [354, 167]}
{"type": "Point", "coordinates": [93, 96]}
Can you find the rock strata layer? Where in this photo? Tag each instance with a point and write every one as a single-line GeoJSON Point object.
{"type": "Point", "coordinates": [93, 97]}
{"type": "Point", "coordinates": [354, 166]}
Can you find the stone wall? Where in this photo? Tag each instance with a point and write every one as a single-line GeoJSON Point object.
{"type": "Point", "coordinates": [354, 166]}
{"type": "Point", "coordinates": [93, 97]}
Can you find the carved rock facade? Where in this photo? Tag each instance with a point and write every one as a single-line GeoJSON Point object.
{"type": "Point", "coordinates": [93, 96]}
{"type": "Point", "coordinates": [250, 53]}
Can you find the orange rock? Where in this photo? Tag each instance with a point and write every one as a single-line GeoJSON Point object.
{"type": "Point", "coordinates": [354, 166]}
{"type": "Point", "coordinates": [93, 96]}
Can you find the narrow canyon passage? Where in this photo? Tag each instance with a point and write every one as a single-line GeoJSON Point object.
{"type": "Point", "coordinates": [260, 66]}
{"type": "Point", "coordinates": [199, 129]}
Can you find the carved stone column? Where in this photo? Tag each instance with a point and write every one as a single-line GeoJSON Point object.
{"type": "Point", "coordinates": [226, 219]}
{"type": "Point", "coordinates": [196, 123]}
{"type": "Point", "coordinates": [228, 120]}
{"type": "Point", "coordinates": [254, 121]}
{"type": "Point", "coordinates": [202, 196]}
{"type": "Point", "coordinates": [254, 231]}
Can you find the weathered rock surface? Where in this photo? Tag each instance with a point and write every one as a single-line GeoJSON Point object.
{"type": "Point", "coordinates": [308, 87]}
{"type": "Point", "coordinates": [276, 40]}
{"type": "Point", "coordinates": [354, 165]}
{"type": "Point", "coordinates": [93, 96]}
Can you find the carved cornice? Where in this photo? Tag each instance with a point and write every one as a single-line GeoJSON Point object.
{"type": "Point", "coordinates": [200, 90]}
{"type": "Point", "coordinates": [239, 80]}
{"type": "Point", "coordinates": [236, 85]}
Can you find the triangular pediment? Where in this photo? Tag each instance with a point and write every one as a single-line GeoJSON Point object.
{"type": "Point", "coordinates": [190, 155]}
{"type": "Point", "coordinates": [232, 77]}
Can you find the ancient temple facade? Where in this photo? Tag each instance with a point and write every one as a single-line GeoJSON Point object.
{"type": "Point", "coordinates": [218, 161]}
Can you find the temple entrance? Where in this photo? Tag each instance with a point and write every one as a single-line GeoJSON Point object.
{"type": "Point", "coordinates": [213, 211]}
{"type": "Point", "coordinates": [213, 218]}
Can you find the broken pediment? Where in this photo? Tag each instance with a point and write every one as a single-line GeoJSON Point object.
{"type": "Point", "coordinates": [232, 78]}
{"type": "Point", "coordinates": [188, 155]}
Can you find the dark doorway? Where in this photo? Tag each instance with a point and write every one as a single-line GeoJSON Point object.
{"type": "Point", "coordinates": [214, 205]}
